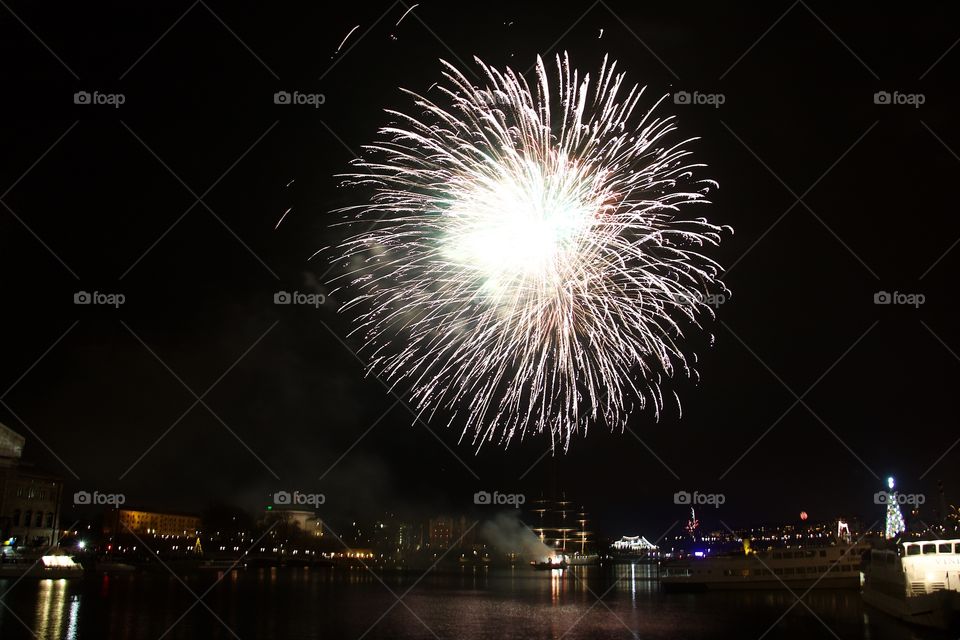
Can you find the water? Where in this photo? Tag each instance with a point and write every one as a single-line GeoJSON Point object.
{"type": "Point", "coordinates": [473, 604]}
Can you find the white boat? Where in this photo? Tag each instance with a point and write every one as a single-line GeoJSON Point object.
{"type": "Point", "coordinates": [918, 582]}
{"type": "Point", "coordinates": [53, 567]}
{"type": "Point", "coordinates": [562, 561]}
{"type": "Point", "coordinates": [821, 567]}
{"type": "Point", "coordinates": [582, 559]}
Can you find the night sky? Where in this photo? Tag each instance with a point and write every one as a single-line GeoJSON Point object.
{"type": "Point", "coordinates": [106, 199]}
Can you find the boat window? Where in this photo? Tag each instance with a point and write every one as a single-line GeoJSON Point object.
{"type": "Point", "coordinates": [809, 554]}
{"type": "Point", "coordinates": [945, 547]}
{"type": "Point", "coordinates": [777, 555]}
{"type": "Point", "coordinates": [778, 572]}
{"type": "Point", "coordinates": [956, 547]}
{"type": "Point", "coordinates": [789, 571]}
{"type": "Point", "coordinates": [811, 569]}
{"type": "Point", "coordinates": [913, 550]}
{"type": "Point", "coordinates": [823, 569]}
{"type": "Point", "coordinates": [823, 553]}
{"type": "Point", "coordinates": [929, 548]}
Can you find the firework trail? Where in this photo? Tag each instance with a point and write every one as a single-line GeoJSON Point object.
{"type": "Point", "coordinates": [522, 262]}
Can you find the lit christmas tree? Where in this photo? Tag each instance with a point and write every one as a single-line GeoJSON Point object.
{"type": "Point", "coordinates": [895, 523]}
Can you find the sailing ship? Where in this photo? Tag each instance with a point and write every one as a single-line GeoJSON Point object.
{"type": "Point", "coordinates": [563, 527]}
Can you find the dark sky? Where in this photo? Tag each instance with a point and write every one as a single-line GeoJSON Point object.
{"type": "Point", "coordinates": [111, 206]}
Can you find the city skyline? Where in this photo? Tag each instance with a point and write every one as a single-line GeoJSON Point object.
{"type": "Point", "coordinates": [192, 328]}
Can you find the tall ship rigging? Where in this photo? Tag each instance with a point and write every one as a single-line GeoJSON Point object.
{"type": "Point", "coordinates": [563, 526]}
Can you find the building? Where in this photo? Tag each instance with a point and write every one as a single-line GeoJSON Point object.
{"type": "Point", "coordinates": [444, 532]}
{"type": "Point", "coordinates": [150, 523]}
{"type": "Point", "coordinates": [441, 532]}
{"type": "Point", "coordinates": [29, 499]}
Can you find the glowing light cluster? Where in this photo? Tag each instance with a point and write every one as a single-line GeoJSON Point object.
{"type": "Point", "coordinates": [523, 263]}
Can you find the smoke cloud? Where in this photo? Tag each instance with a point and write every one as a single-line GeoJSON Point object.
{"type": "Point", "coordinates": [508, 534]}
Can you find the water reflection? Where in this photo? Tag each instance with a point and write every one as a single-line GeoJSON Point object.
{"type": "Point", "coordinates": [52, 611]}
{"type": "Point", "coordinates": [472, 604]}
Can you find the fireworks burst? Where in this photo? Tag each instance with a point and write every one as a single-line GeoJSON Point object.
{"type": "Point", "coordinates": [522, 263]}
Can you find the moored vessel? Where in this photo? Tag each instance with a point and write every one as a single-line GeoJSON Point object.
{"type": "Point", "coordinates": [802, 567]}
{"type": "Point", "coordinates": [916, 581]}
{"type": "Point", "coordinates": [53, 567]}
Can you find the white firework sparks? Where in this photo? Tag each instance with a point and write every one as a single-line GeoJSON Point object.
{"type": "Point", "coordinates": [523, 264]}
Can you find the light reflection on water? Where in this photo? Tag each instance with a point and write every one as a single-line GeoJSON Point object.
{"type": "Point", "coordinates": [55, 610]}
{"type": "Point", "coordinates": [477, 604]}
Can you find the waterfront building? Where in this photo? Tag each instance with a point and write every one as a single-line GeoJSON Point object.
{"type": "Point", "coordinates": [29, 498]}
{"type": "Point", "coordinates": [441, 532]}
{"type": "Point", "coordinates": [444, 532]}
{"type": "Point", "coordinates": [121, 521]}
